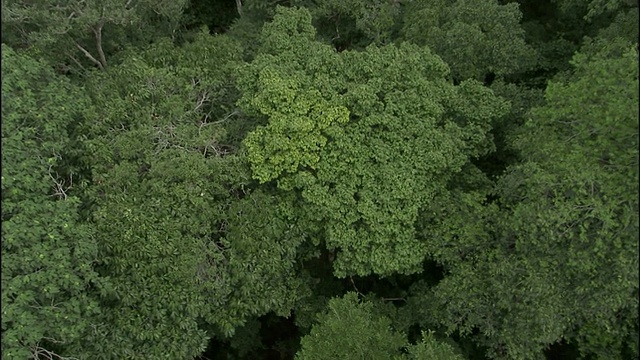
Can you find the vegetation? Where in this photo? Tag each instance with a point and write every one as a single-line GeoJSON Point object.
{"type": "Point", "coordinates": [301, 179]}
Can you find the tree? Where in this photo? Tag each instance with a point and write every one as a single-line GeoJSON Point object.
{"type": "Point", "coordinates": [354, 24]}
{"type": "Point", "coordinates": [559, 259]}
{"type": "Point", "coordinates": [351, 329]}
{"type": "Point", "coordinates": [431, 348]}
{"type": "Point", "coordinates": [69, 31]}
{"type": "Point", "coordinates": [355, 136]}
{"type": "Point", "coordinates": [475, 38]}
{"type": "Point", "coordinates": [193, 249]}
{"type": "Point", "coordinates": [49, 284]}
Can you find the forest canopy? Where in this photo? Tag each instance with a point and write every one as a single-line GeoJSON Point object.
{"type": "Point", "coordinates": [297, 179]}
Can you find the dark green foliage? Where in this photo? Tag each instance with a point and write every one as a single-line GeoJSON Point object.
{"type": "Point", "coordinates": [263, 238]}
{"type": "Point", "coordinates": [178, 221]}
{"type": "Point", "coordinates": [474, 38]}
{"type": "Point", "coordinates": [247, 179]}
{"type": "Point", "coordinates": [83, 34]}
{"type": "Point", "coordinates": [354, 24]}
{"type": "Point", "coordinates": [48, 281]}
{"type": "Point", "coordinates": [217, 15]}
{"type": "Point", "coordinates": [566, 252]}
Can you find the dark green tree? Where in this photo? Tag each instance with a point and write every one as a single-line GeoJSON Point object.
{"type": "Point", "coordinates": [354, 24]}
{"type": "Point", "coordinates": [559, 258]}
{"type": "Point", "coordinates": [194, 251]}
{"type": "Point", "coordinates": [48, 254]}
{"type": "Point", "coordinates": [475, 38]}
{"type": "Point", "coordinates": [83, 34]}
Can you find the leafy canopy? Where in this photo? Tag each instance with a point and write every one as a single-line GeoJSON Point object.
{"type": "Point", "coordinates": [48, 254]}
{"type": "Point", "coordinates": [365, 138]}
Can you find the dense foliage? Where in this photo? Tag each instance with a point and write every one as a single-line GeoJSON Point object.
{"type": "Point", "coordinates": [320, 179]}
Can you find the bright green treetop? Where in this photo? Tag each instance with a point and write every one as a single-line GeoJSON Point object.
{"type": "Point", "coordinates": [366, 138]}
{"type": "Point", "coordinates": [352, 329]}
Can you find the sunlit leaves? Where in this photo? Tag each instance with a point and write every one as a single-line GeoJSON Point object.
{"type": "Point", "coordinates": [366, 175]}
{"type": "Point", "coordinates": [349, 329]}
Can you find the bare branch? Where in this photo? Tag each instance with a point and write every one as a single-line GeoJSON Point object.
{"type": "Point", "coordinates": [39, 352]}
{"type": "Point", "coordinates": [98, 32]}
{"type": "Point", "coordinates": [89, 56]}
{"type": "Point", "coordinates": [52, 340]}
{"type": "Point", "coordinates": [394, 299]}
{"type": "Point", "coordinates": [354, 286]}
{"type": "Point", "coordinates": [61, 191]}
{"type": "Point", "coordinates": [77, 62]}
{"type": "Point", "coordinates": [205, 123]}
{"type": "Point", "coordinates": [239, 7]}
{"type": "Point", "coordinates": [202, 98]}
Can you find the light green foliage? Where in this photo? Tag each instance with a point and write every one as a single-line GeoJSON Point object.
{"type": "Point", "coordinates": [431, 349]}
{"type": "Point", "coordinates": [349, 329]}
{"type": "Point", "coordinates": [86, 32]}
{"type": "Point", "coordinates": [364, 180]}
{"type": "Point", "coordinates": [299, 116]}
{"type": "Point", "coordinates": [473, 37]}
{"type": "Point", "coordinates": [353, 329]}
{"type": "Point", "coordinates": [566, 249]}
{"type": "Point", "coordinates": [47, 253]}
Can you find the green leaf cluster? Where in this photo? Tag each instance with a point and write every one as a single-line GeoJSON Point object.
{"type": "Point", "coordinates": [358, 137]}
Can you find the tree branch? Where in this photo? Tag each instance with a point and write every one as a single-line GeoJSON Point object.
{"type": "Point", "coordinates": [73, 58]}
{"type": "Point", "coordinates": [394, 299]}
{"type": "Point", "coordinates": [39, 353]}
{"type": "Point", "coordinates": [202, 98]}
{"type": "Point", "coordinates": [98, 32]}
{"type": "Point", "coordinates": [89, 56]}
{"type": "Point", "coordinates": [60, 186]}
{"type": "Point", "coordinates": [354, 286]}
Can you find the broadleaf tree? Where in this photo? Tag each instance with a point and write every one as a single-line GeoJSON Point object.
{"type": "Point", "coordinates": [49, 284]}
{"type": "Point", "coordinates": [560, 257]}
{"type": "Point", "coordinates": [355, 136]}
